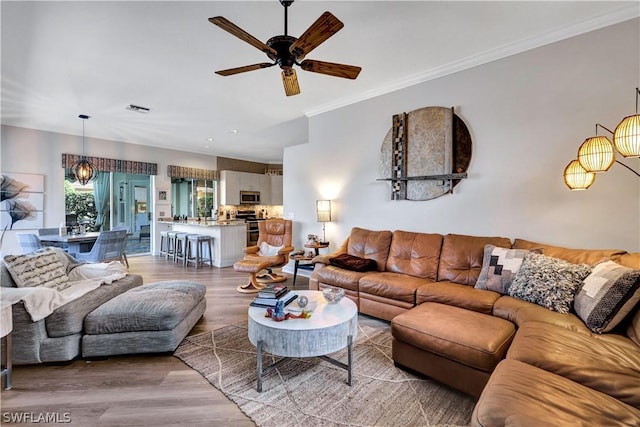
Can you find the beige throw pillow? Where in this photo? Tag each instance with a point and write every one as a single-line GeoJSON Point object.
{"type": "Point", "coordinates": [39, 268]}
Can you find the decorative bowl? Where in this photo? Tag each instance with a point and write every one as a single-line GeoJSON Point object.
{"type": "Point", "coordinates": [333, 295]}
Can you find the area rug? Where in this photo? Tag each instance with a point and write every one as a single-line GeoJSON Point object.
{"type": "Point", "coordinates": [311, 392]}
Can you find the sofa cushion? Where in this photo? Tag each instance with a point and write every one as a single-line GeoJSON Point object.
{"type": "Point", "coordinates": [520, 312]}
{"type": "Point", "coordinates": [353, 263]}
{"type": "Point", "coordinates": [461, 257]}
{"type": "Point", "coordinates": [339, 277]}
{"type": "Point", "coordinates": [457, 295]}
{"type": "Point", "coordinates": [499, 268]}
{"type": "Point", "coordinates": [393, 286]}
{"type": "Point", "coordinates": [549, 282]}
{"type": "Point", "coordinates": [39, 268]}
{"type": "Point", "coordinates": [159, 306]}
{"type": "Point", "coordinates": [631, 260]}
{"type": "Point", "coordinates": [574, 256]}
{"type": "Point", "coordinates": [473, 339]}
{"type": "Point", "coordinates": [607, 363]}
{"type": "Point", "coordinates": [608, 294]}
{"type": "Point", "coordinates": [370, 244]}
{"type": "Point", "coordinates": [68, 319]}
{"type": "Point", "coordinates": [415, 254]}
{"type": "Point", "coordinates": [519, 388]}
{"type": "Point", "coordinates": [633, 329]}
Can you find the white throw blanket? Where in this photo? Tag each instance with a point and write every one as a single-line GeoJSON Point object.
{"type": "Point", "coordinates": [41, 301]}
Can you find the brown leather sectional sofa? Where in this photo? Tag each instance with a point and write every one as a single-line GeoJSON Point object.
{"type": "Point", "coordinates": [528, 365]}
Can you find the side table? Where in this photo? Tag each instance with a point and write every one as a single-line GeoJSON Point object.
{"type": "Point", "coordinates": [317, 246]}
{"type": "Point", "coordinates": [296, 265]}
{"type": "Point", "coordinates": [6, 326]}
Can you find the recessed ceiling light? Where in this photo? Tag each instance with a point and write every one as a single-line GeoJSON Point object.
{"type": "Point", "coordinates": [210, 139]}
{"type": "Point", "coordinates": [206, 147]}
{"type": "Point", "coordinates": [233, 130]}
{"type": "Point", "coordinates": [137, 108]}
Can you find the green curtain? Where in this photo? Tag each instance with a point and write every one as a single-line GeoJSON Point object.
{"type": "Point", "coordinates": [101, 196]}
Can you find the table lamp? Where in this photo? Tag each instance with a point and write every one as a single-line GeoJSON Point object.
{"type": "Point", "coordinates": [323, 210]}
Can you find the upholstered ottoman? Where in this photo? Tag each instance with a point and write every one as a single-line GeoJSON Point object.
{"type": "Point", "coordinates": [458, 347]}
{"type": "Point", "coordinates": [151, 318]}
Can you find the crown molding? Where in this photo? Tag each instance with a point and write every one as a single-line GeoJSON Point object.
{"type": "Point", "coordinates": [623, 14]}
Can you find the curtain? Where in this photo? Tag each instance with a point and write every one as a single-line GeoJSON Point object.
{"type": "Point", "coordinates": [101, 197]}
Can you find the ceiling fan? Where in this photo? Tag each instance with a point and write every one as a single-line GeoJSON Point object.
{"type": "Point", "coordinates": [287, 51]}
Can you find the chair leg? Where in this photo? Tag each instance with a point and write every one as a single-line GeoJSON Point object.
{"type": "Point", "coordinates": [252, 287]}
{"type": "Point", "coordinates": [124, 259]}
{"type": "Point", "coordinates": [271, 277]}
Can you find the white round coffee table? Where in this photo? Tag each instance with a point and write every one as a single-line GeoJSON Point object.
{"type": "Point", "coordinates": [330, 328]}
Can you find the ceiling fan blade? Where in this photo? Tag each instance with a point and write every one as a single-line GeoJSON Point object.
{"type": "Point", "coordinates": [331, 69]}
{"type": "Point", "coordinates": [290, 82]}
{"type": "Point", "coordinates": [232, 71]}
{"type": "Point", "coordinates": [324, 27]}
{"type": "Point", "coordinates": [232, 28]}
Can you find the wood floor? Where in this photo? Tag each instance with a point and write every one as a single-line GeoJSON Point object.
{"type": "Point", "coordinates": [146, 390]}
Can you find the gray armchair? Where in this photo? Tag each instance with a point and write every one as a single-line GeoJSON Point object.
{"type": "Point", "coordinates": [28, 242]}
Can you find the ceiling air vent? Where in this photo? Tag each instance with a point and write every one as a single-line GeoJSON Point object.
{"type": "Point", "coordinates": [138, 109]}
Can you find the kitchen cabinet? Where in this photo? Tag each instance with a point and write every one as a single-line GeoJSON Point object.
{"type": "Point", "coordinates": [249, 181]}
{"type": "Point", "coordinates": [276, 190]}
{"type": "Point", "coordinates": [265, 190]}
{"type": "Point", "coordinates": [230, 187]}
{"type": "Point", "coordinates": [232, 183]}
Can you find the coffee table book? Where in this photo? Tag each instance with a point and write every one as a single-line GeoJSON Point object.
{"type": "Point", "coordinates": [273, 292]}
{"type": "Point", "coordinates": [271, 302]}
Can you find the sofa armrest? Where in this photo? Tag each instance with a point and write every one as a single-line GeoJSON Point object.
{"type": "Point", "coordinates": [286, 250]}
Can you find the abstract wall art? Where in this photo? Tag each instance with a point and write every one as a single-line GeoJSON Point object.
{"type": "Point", "coordinates": [21, 201]}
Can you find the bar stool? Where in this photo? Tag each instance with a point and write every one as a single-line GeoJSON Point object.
{"type": "Point", "coordinates": [164, 247]}
{"type": "Point", "coordinates": [180, 248]}
{"type": "Point", "coordinates": [201, 245]}
{"type": "Point", "coordinates": [171, 245]}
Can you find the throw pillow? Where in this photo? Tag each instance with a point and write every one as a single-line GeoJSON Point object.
{"type": "Point", "coordinates": [39, 268]}
{"type": "Point", "coordinates": [268, 250]}
{"type": "Point", "coordinates": [607, 296]}
{"type": "Point", "coordinates": [353, 263]}
{"type": "Point", "coordinates": [499, 268]}
{"type": "Point", "coordinates": [549, 282]}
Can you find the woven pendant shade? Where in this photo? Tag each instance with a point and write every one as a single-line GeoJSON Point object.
{"type": "Point", "coordinates": [626, 137]}
{"type": "Point", "coordinates": [576, 177]}
{"type": "Point", "coordinates": [596, 154]}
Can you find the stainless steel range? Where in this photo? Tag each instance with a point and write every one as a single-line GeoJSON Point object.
{"type": "Point", "coordinates": [251, 219]}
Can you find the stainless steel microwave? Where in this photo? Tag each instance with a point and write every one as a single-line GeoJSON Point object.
{"type": "Point", "coordinates": [249, 197]}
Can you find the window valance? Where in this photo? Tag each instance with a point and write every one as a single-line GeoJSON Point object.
{"type": "Point", "coordinates": [113, 165]}
{"type": "Point", "coordinates": [191, 173]}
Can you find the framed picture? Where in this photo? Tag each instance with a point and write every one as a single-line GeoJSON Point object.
{"type": "Point", "coordinates": [162, 195]}
{"type": "Point", "coordinates": [21, 201]}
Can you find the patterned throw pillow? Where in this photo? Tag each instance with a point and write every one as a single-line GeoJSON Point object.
{"type": "Point", "coordinates": [549, 282]}
{"type": "Point", "coordinates": [609, 293]}
{"type": "Point", "coordinates": [39, 268]}
{"type": "Point", "coordinates": [499, 268]}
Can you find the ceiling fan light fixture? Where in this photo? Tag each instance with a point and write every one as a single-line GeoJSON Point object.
{"type": "Point", "coordinates": [290, 82]}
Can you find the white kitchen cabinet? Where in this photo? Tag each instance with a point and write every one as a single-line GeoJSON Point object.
{"type": "Point", "coordinates": [249, 181]}
{"type": "Point", "coordinates": [276, 190]}
{"type": "Point", "coordinates": [265, 190]}
{"type": "Point", "coordinates": [230, 187]}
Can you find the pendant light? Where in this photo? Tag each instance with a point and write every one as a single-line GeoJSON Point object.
{"type": "Point", "coordinates": [84, 171]}
{"type": "Point", "coordinates": [626, 137]}
{"type": "Point", "coordinates": [596, 154]}
{"type": "Point", "coordinates": [576, 177]}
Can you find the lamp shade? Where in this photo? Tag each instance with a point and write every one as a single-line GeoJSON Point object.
{"type": "Point", "coordinates": [323, 210]}
{"type": "Point", "coordinates": [576, 177]}
{"type": "Point", "coordinates": [596, 154]}
{"type": "Point", "coordinates": [626, 137]}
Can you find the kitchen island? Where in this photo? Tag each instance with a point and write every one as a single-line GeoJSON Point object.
{"type": "Point", "coordinates": [229, 238]}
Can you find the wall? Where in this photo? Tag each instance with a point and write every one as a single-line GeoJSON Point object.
{"type": "Point", "coordinates": [32, 151]}
{"type": "Point", "coordinates": [527, 114]}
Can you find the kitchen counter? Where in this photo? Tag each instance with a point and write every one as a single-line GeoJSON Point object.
{"type": "Point", "coordinates": [229, 238]}
{"type": "Point", "coordinates": [206, 223]}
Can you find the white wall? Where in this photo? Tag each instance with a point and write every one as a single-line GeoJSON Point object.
{"type": "Point", "coordinates": [33, 151]}
{"type": "Point", "coordinates": [527, 115]}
